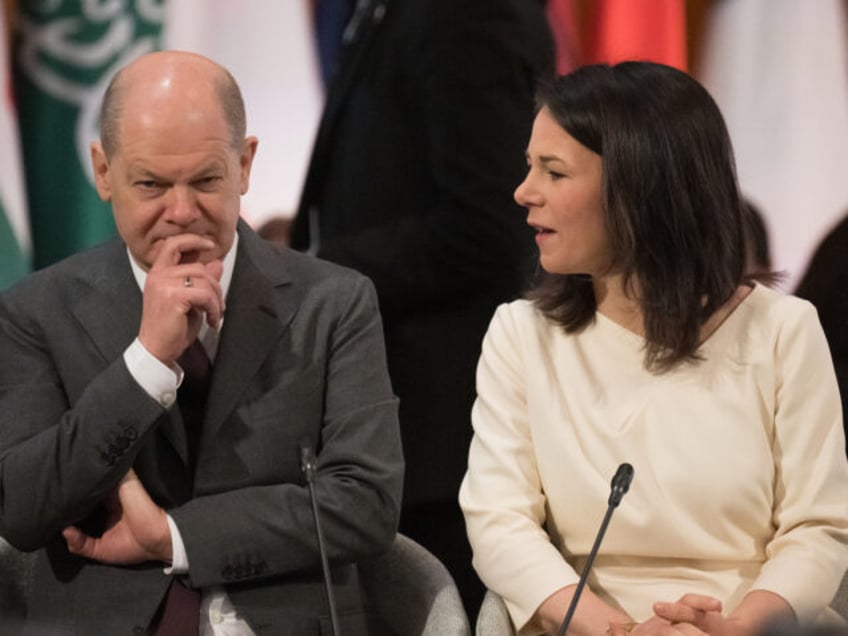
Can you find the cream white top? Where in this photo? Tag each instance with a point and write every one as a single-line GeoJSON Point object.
{"type": "Point", "coordinates": [741, 480]}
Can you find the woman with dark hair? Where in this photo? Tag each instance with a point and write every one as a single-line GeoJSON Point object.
{"type": "Point", "coordinates": [645, 342]}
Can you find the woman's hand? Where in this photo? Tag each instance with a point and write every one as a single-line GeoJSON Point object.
{"type": "Point", "coordinates": [697, 611]}
{"type": "Point", "coordinates": [691, 615]}
{"type": "Point", "coordinates": [591, 616]}
{"type": "Point", "coordinates": [654, 626]}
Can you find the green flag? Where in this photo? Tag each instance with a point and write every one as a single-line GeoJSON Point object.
{"type": "Point", "coordinates": [65, 55]}
{"type": "Point", "coordinates": [14, 230]}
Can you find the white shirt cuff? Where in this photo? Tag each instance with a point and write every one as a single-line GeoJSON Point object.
{"type": "Point", "coordinates": [179, 558]}
{"type": "Point", "coordinates": [159, 380]}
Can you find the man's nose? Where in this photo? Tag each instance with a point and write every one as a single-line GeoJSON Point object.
{"type": "Point", "coordinates": [183, 207]}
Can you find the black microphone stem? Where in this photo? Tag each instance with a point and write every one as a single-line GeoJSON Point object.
{"type": "Point", "coordinates": [619, 486]}
{"type": "Point", "coordinates": [308, 465]}
{"type": "Point", "coordinates": [585, 574]}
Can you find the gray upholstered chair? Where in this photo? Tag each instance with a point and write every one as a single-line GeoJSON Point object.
{"type": "Point", "coordinates": [15, 584]}
{"type": "Point", "coordinates": [409, 587]}
{"type": "Point", "coordinates": [413, 592]}
{"type": "Point", "coordinates": [493, 618]}
{"type": "Point", "coordinates": [840, 601]}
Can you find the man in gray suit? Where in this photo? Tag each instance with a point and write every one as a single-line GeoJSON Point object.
{"type": "Point", "coordinates": [136, 512]}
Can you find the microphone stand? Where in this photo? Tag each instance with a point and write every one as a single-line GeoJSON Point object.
{"type": "Point", "coordinates": [307, 464]}
{"type": "Point", "coordinates": [620, 485]}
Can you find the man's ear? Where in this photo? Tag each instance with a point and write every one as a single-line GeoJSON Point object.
{"type": "Point", "coordinates": [102, 174]}
{"type": "Point", "coordinates": [248, 152]}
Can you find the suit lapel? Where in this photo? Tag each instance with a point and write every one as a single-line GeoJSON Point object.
{"type": "Point", "coordinates": [109, 309]}
{"type": "Point", "coordinates": [108, 304]}
{"type": "Point", "coordinates": [260, 305]}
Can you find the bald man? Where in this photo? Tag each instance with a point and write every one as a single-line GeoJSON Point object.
{"type": "Point", "coordinates": [147, 509]}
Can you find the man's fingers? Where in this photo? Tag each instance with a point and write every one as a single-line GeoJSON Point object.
{"type": "Point", "coordinates": [201, 286]}
{"type": "Point", "coordinates": [182, 248]}
{"type": "Point", "coordinates": [215, 269]}
{"type": "Point", "coordinates": [180, 292]}
{"type": "Point", "coordinates": [77, 541]}
{"type": "Point", "coordinates": [132, 493]}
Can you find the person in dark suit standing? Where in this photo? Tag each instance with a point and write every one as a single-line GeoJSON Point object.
{"type": "Point", "coordinates": [420, 146]}
{"type": "Point", "coordinates": [165, 496]}
{"type": "Point", "coordinates": [825, 284]}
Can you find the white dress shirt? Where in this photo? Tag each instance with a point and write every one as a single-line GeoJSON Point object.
{"type": "Point", "coordinates": [218, 616]}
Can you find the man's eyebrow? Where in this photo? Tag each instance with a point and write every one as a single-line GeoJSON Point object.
{"type": "Point", "coordinates": [139, 171]}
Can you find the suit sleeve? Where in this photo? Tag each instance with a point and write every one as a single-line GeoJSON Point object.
{"type": "Point", "coordinates": [267, 530]}
{"type": "Point", "coordinates": [58, 461]}
{"type": "Point", "coordinates": [472, 83]}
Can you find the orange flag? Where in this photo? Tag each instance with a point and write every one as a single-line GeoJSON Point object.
{"type": "Point", "coordinates": [653, 30]}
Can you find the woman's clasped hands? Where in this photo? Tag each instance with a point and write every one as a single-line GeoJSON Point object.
{"type": "Point", "coordinates": [691, 615]}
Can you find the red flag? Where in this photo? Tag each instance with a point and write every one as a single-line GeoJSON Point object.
{"type": "Point", "coordinates": [653, 30]}
{"type": "Point", "coordinates": [564, 28]}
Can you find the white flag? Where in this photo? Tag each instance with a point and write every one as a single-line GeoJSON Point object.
{"type": "Point", "coordinates": [269, 47]}
{"type": "Point", "coordinates": [778, 70]}
{"type": "Point", "coordinates": [14, 227]}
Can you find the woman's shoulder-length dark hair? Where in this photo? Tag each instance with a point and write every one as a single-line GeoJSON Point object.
{"type": "Point", "coordinates": [671, 200]}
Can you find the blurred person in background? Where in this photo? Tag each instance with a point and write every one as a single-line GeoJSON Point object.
{"type": "Point", "coordinates": [825, 284]}
{"type": "Point", "coordinates": [420, 145]}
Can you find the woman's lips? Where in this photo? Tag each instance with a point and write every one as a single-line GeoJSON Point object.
{"type": "Point", "coordinates": [542, 232]}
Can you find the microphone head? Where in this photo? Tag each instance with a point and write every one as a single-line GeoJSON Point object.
{"type": "Point", "coordinates": [307, 460]}
{"type": "Point", "coordinates": [620, 483]}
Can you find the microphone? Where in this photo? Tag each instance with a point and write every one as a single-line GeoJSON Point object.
{"type": "Point", "coordinates": [307, 466]}
{"type": "Point", "coordinates": [619, 486]}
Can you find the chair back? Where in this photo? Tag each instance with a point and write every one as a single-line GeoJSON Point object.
{"type": "Point", "coordinates": [413, 592]}
{"type": "Point", "coordinates": [15, 582]}
{"type": "Point", "coordinates": [493, 618]}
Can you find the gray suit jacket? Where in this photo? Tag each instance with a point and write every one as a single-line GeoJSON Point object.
{"type": "Point", "coordinates": [301, 359]}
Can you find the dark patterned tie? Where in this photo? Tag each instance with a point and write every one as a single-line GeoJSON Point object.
{"type": "Point", "coordinates": [179, 613]}
{"type": "Point", "coordinates": [193, 393]}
